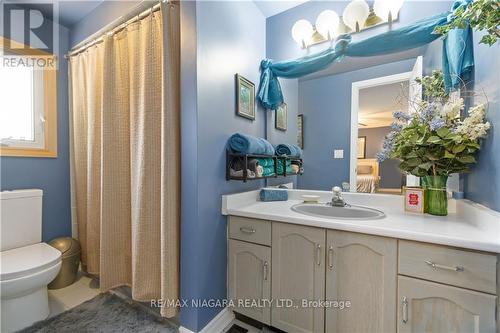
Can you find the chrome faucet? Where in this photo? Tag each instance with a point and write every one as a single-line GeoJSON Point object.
{"type": "Point", "coordinates": [337, 199]}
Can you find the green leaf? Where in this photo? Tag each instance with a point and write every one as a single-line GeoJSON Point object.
{"type": "Point", "coordinates": [431, 156]}
{"type": "Point", "coordinates": [425, 166]}
{"type": "Point", "coordinates": [433, 139]}
{"type": "Point", "coordinates": [414, 162]}
{"type": "Point", "coordinates": [447, 154]}
{"type": "Point", "coordinates": [473, 144]}
{"type": "Point", "coordinates": [443, 132]}
{"type": "Point", "coordinates": [467, 159]}
{"type": "Point", "coordinates": [458, 149]}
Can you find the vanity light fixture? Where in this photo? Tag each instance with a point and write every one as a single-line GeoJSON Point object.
{"type": "Point", "coordinates": [302, 32]}
{"type": "Point", "coordinates": [357, 16]}
{"type": "Point", "coordinates": [387, 9]}
{"type": "Point", "coordinates": [327, 24]}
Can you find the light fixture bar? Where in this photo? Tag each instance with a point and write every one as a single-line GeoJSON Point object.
{"type": "Point", "coordinates": [371, 22]}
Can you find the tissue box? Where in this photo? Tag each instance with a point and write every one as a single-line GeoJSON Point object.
{"type": "Point", "coordinates": [273, 194]}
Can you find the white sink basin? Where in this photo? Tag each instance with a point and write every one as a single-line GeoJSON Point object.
{"type": "Point", "coordinates": [349, 212]}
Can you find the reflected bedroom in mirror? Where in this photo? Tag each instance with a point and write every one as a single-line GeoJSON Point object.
{"type": "Point", "coordinates": [375, 108]}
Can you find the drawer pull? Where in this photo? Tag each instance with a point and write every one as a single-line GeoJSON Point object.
{"type": "Point", "coordinates": [404, 308]}
{"type": "Point", "coordinates": [318, 254]}
{"type": "Point", "coordinates": [330, 257]}
{"type": "Point", "coordinates": [247, 230]}
{"type": "Point", "coordinates": [448, 268]}
{"type": "Point", "coordinates": [266, 270]}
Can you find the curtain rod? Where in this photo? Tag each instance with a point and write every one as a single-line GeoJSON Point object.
{"type": "Point", "coordinates": [118, 25]}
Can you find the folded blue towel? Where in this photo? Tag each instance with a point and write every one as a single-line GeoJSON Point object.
{"type": "Point", "coordinates": [288, 150]}
{"type": "Point", "coordinates": [273, 194]}
{"type": "Point", "coordinates": [247, 144]}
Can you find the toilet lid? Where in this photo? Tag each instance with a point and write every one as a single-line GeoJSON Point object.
{"type": "Point", "coordinates": [27, 260]}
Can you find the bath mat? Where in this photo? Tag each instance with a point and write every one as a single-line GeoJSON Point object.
{"type": "Point", "coordinates": [104, 313]}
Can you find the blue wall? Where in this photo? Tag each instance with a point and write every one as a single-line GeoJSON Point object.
{"type": "Point", "coordinates": [326, 104]}
{"type": "Point", "coordinates": [230, 39]}
{"type": "Point", "coordinates": [483, 184]}
{"type": "Point", "coordinates": [99, 18]}
{"type": "Point", "coordinates": [49, 174]}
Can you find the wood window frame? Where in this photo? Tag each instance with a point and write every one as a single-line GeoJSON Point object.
{"type": "Point", "coordinates": [49, 109]}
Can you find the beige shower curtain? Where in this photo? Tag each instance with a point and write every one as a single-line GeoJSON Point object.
{"type": "Point", "coordinates": [126, 157]}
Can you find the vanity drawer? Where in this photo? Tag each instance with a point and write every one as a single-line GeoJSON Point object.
{"type": "Point", "coordinates": [250, 230]}
{"type": "Point", "coordinates": [467, 269]}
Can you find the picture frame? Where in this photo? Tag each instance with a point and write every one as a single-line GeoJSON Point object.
{"type": "Point", "coordinates": [281, 117]}
{"type": "Point", "coordinates": [300, 131]}
{"type": "Point", "coordinates": [361, 147]}
{"type": "Point", "coordinates": [245, 97]}
{"type": "Point", "coordinates": [414, 199]}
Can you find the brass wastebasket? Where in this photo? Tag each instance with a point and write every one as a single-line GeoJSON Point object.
{"type": "Point", "coordinates": [70, 249]}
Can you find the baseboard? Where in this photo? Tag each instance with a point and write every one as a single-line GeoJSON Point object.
{"type": "Point", "coordinates": [216, 325]}
{"type": "Point", "coordinates": [182, 329]}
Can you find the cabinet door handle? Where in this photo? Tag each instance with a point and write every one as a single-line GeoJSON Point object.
{"type": "Point", "coordinates": [266, 270]}
{"type": "Point", "coordinates": [330, 257]}
{"type": "Point", "coordinates": [404, 308]}
{"type": "Point", "coordinates": [448, 268]}
{"type": "Point", "coordinates": [318, 254]}
{"type": "Point", "coordinates": [248, 230]}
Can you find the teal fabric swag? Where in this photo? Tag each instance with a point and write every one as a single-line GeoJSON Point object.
{"type": "Point", "coordinates": [458, 57]}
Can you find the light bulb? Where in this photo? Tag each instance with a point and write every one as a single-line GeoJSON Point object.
{"type": "Point", "coordinates": [302, 32]}
{"type": "Point", "coordinates": [327, 23]}
{"type": "Point", "coordinates": [356, 11]}
{"type": "Point", "coordinates": [382, 8]}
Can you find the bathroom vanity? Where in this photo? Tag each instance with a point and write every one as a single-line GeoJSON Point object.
{"type": "Point", "coordinates": [404, 272]}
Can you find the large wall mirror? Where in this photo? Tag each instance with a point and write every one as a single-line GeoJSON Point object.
{"type": "Point", "coordinates": [346, 117]}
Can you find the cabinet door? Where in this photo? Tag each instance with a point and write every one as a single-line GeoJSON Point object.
{"type": "Point", "coordinates": [250, 278]}
{"type": "Point", "coordinates": [429, 307]}
{"type": "Point", "coordinates": [298, 274]}
{"type": "Point", "coordinates": [361, 269]}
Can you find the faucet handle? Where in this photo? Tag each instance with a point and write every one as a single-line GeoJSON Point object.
{"type": "Point", "coordinates": [336, 189]}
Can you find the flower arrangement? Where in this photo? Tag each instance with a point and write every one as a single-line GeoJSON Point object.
{"type": "Point", "coordinates": [436, 140]}
{"type": "Point", "coordinates": [480, 15]}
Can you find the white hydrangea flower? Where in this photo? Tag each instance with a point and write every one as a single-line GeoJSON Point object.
{"type": "Point", "coordinates": [476, 114]}
{"type": "Point", "coordinates": [451, 110]}
{"type": "Point", "coordinates": [474, 126]}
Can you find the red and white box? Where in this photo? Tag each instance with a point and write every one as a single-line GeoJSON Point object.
{"type": "Point", "coordinates": [414, 199]}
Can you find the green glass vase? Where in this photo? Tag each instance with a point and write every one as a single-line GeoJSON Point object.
{"type": "Point", "coordinates": [435, 196]}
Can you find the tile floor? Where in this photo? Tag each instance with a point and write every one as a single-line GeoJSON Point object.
{"type": "Point", "coordinates": [66, 298]}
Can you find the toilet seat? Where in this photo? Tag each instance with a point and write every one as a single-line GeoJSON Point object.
{"type": "Point", "coordinates": [27, 260]}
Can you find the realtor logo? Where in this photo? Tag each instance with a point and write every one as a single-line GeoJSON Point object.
{"type": "Point", "coordinates": [28, 31]}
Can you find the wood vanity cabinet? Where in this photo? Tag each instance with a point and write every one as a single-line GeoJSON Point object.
{"type": "Point", "coordinates": [361, 269]}
{"type": "Point", "coordinates": [435, 308]}
{"type": "Point", "coordinates": [249, 277]}
{"type": "Point", "coordinates": [392, 285]}
{"type": "Point", "coordinates": [445, 289]}
{"type": "Point", "coordinates": [298, 256]}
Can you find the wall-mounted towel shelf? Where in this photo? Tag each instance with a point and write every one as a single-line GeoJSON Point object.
{"type": "Point", "coordinates": [245, 158]}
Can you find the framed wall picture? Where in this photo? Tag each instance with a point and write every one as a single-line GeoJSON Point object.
{"type": "Point", "coordinates": [281, 117]}
{"type": "Point", "coordinates": [300, 131]}
{"type": "Point", "coordinates": [245, 97]}
{"type": "Point", "coordinates": [362, 147]}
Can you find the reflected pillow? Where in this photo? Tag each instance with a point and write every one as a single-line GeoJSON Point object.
{"type": "Point", "coordinates": [365, 169]}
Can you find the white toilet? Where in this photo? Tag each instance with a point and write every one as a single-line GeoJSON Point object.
{"type": "Point", "coordinates": [26, 264]}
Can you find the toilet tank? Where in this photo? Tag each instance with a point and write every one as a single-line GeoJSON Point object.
{"type": "Point", "coordinates": [20, 218]}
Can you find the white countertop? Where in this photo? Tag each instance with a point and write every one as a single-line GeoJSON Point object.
{"type": "Point", "coordinates": [468, 225]}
